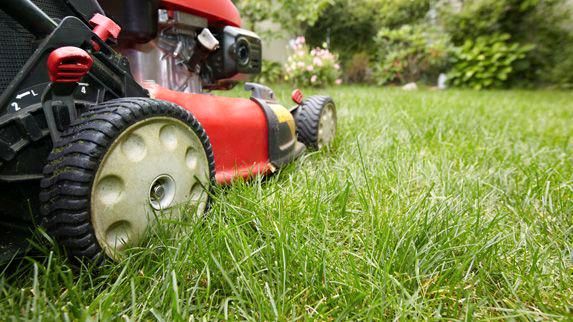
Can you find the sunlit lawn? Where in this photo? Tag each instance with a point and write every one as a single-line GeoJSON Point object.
{"type": "Point", "coordinates": [430, 205]}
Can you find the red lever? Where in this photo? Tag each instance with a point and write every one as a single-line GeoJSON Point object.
{"type": "Point", "coordinates": [69, 65]}
{"type": "Point", "coordinates": [297, 96]}
{"type": "Point", "coordinates": [104, 28]}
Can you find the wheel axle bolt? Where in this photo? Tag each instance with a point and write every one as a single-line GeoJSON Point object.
{"type": "Point", "coordinates": [158, 192]}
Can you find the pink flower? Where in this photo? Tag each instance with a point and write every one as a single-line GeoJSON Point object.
{"type": "Point", "coordinates": [339, 82]}
{"type": "Point", "coordinates": [292, 44]}
{"type": "Point", "coordinates": [313, 79]}
{"type": "Point", "coordinates": [310, 68]}
{"type": "Point", "coordinates": [337, 66]}
{"type": "Point", "coordinates": [317, 61]}
{"type": "Point", "coordinates": [297, 43]}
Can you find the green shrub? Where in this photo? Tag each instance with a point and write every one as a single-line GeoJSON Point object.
{"type": "Point", "coordinates": [316, 68]}
{"type": "Point", "coordinates": [486, 62]}
{"type": "Point", "coordinates": [545, 24]}
{"type": "Point", "coordinates": [410, 54]}
{"type": "Point", "coordinates": [358, 70]}
{"type": "Point", "coordinates": [561, 74]}
{"type": "Point", "coordinates": [272, 73]}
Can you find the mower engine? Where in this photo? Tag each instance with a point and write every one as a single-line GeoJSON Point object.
{"type": "Point", "coordinates": [180, 51]}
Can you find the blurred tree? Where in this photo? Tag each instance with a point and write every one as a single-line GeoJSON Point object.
{"type": "Point", "coordinates": [396, 13]}
{"type": "Point", "coordinates": [349, 28]}
{"type": "Point", "coordinates": [293, 15]}
{"type": "Point", "coordinates": [297, 15]}
{"type": "Point", "coordinates": [254, 12]}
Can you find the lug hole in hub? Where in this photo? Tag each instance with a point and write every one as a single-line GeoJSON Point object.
{"type": "Point", "coordinates": [162, 192]}
{"type": "Point", "coordinates": [118, 235]}
{"type": "Point", "coordinates": [168, 136]}
{"type": "Point", "coordinates": [110, 189]}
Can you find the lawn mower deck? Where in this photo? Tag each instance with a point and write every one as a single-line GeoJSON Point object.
{"type": "Point", "coordinates": [254, 137]}
{"type": "Point", "coordinates": [103, 132]}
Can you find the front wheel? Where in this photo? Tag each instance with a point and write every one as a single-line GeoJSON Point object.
{"type": "Point", "coordinates": [118, 168]}
{"type": "Point", "coordinates": [316, 122]}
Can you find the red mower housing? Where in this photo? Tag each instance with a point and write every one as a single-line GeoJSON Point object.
{"type": "Point", "coordinates": [238, 130]}
{"type": "Point", "coordinates": [218, 12]}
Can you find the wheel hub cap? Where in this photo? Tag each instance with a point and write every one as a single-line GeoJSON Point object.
{"type": "Point", "coordinates": [152, 167]}
{"type": "Point", "coordinates": [327, 126]}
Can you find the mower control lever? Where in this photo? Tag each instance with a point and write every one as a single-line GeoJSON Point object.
{"type": "Point", "coordinates": [297, 96]}
{"type": "Point", "coordinates": [207, 40]}
{"type": "Point", "coordinates": [261, 92]}
{"type": "Point", "coordinates": [104, 28]}
{"type": "Point", "coordinates": [66, 67]}
{"type": "Point", "coordinates": [69, 64]}
{"type": "Point", "coordinates": [208, 44]}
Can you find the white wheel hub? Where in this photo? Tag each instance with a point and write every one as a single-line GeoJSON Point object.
{"type": "Point", "coordinates": [327, 126]}
{"type": "Point", "coordinates": [152, 168]}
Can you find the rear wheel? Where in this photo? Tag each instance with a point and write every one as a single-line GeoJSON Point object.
{"type": "Point", "coordinates": [117, 169]}
{"type": "Point", "coordinates": [316, 122]}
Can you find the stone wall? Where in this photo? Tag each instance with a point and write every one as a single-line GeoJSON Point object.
{"type": "Point", "coordinates": [275, 48]}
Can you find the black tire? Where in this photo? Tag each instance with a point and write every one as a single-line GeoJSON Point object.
{"type": "Point", "coordinates": [74, 161]}
{"type": "Point", "coordinates": [307, 118]}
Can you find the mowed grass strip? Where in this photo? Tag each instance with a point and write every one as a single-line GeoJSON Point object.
{"type": "Point", "coordinates": [430, 205]}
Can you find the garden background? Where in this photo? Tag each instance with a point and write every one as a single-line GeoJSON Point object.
{"type": "Point", "coordinates": [478, 44]}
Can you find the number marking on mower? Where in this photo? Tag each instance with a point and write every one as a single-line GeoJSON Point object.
{"type": "Point", "coordinates": [84, 86]}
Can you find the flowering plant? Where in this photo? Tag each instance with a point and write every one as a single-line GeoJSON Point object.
{"type": "Point", "coordinates": [316, 68]}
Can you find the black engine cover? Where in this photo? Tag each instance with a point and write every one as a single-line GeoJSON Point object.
{"type": "Point", "coordinates": [240, 52]}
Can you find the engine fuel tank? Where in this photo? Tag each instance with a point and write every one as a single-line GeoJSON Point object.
{"type": "Point", "coordinates": [218, 12]}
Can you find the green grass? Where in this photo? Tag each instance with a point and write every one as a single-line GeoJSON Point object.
{"type": "Point", "coordinates": [430, 205]}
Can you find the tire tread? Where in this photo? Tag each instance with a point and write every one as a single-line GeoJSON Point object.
{"type": "Point", "coordinates": [74, 161]}
{"type": "Point", "coordinates": [308, 119]}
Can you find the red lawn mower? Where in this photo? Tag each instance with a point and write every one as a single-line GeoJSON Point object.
{"type": "Point", "coordinates": [106, 122]}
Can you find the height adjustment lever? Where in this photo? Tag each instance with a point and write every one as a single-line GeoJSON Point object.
{"type": "Point", "coordinates": [66, 67]}
{"type": "Point", "coordinates": [104, 28]}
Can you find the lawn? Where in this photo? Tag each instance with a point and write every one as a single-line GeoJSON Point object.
{"type": "Point", "coordinates": [430, 205]}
